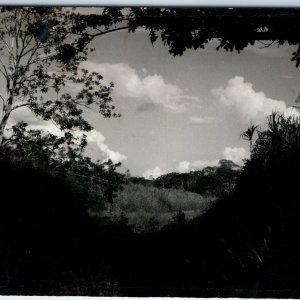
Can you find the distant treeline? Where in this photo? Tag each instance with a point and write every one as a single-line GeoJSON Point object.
{"type": "Point", "coordinates": [151, 204]}
{"type": "Point", "coordinates": [210, 181]}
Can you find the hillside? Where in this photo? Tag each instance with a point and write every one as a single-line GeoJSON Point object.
{"type": "Point", "coordinates": [149, 204]}
{"type": "Point", "coordinates": [149, 208]}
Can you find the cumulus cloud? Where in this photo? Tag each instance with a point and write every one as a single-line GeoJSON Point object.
{"type": "Point", "coordinates": [201, 164]}
{"type": "Point", "coordinates": [23, 114]}
{"type": "Point", "coordinates": [114, 156]}
{"type": "Point", "coordinates": [93, 136]}
{"type": "Point", "coordinates": [237, 155]}
{"type": "Point", "coordinates": [154, 173]}
{"type": "Point", "coordinates": [98, 138]}
{"type": "Point", "coordinates": [183, 166]}
{"type": "Point", "coordinates": [188, 166]}
{"type": "Point", "coordinates": [149, 88]}
{"type": "Point", "coordinates": [251, 105]}
{"type": "Point", "coordinates": [201, 120]}
{"type": "Point", "coordinates": [26, 115]}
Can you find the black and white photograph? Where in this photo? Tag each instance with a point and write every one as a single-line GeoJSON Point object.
{"type": "Point", "coordinates": [150, 151]}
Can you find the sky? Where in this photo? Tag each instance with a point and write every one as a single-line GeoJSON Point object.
{"type": "Point", "coordinates": [184, 113]}
{"type": "Point", "coordinates": [187, 112]}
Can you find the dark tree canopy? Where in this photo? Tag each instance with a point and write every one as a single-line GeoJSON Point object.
{"type": "Point", "coordinates": [235, 29]}
{"type": "Point", "coordinates": [193, 28]}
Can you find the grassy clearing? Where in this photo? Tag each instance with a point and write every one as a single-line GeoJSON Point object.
{"type": "Point", "coordinates": [148, 208]}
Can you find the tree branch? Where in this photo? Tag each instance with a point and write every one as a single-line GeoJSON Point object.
{"type": "Point", "coordinates": [108, 31]}
{"type": "Point", "coordinates": [18, 106]}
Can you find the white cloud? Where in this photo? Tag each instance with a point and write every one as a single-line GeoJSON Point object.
{"type": "Point", "coordinates": [201, 120]}
{"type": "Point", "coordinates": [47, 126]}
{"type": "Point", "coordinates": [114, 156]}
{"type": "Point", "coordinates": [183, 166]}
{"type": "Point", "coordinates": [187, 166]}
{"type": "Point", "coordinates": [201, 164]}
{"type": "Point", "coordinates": [150, 88]}
{"type": "Point", "coordinates": [154, 173]}
{"type": "Point", "coordinates": [23, 114]}
{"type": "Point", "coordinates": [237, 155]}
{"type": "Point", "coordinates": [234, 154]}
{"type": "Point", "coordinates": [26, 115]}
{"type": "Point", "coordinates": [251, 105]}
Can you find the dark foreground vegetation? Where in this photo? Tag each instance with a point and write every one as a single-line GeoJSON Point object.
{"type": "Point", "coordinates": [66, 228]}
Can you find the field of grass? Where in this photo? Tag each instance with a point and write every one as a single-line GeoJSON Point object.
{"type": "Point", "coordinates": [148, 208]}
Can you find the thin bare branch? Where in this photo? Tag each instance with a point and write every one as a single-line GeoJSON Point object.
{"type": "Point", "coordinates": [20, 105]}
{"type": "Point", "coordinates": [108, 31]}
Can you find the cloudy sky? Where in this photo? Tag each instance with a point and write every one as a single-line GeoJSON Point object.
{"type": "Point", "coordinates": [187, 112]}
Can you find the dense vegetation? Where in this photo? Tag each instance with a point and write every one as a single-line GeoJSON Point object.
{"type": "Point", "coordinates": [67, 236]}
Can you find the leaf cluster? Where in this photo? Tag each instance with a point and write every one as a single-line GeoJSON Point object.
{"type": "Point", "coordinates": [40, 66]}
{"type": "Point", "coordinates": [64, 157]}
{"type": "Point", "coordinates": [181, 29]}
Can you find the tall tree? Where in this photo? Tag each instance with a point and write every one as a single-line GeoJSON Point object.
{"type": "Point", "coordinates": [40, 69]}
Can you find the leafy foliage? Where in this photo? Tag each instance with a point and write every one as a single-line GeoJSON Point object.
{"type": "Point", "coordinates": [64, 157]}
{"type": "Point", "coordinates": [40, 65]}
{"type": "Point", "coordinates": [258, 221]}
{"type": "Point", "coordinates": [194, 28]}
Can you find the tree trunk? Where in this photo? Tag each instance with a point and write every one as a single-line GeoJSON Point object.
{"type": "Point", "coordinates": [2, 128]}
{"type": "Point", "coordinates": [3, 124]}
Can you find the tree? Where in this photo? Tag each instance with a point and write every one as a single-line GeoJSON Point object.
{"type": "Point", "coordinates": [248, 135]}
{"type": "Point", "coordinates": [40, 66]}
{"type": "Point", "coordinates": [41, 50]}
{"type": "Point", "coordinates": [64, 158]}
{"type": "Point", "coordinates": [193, 28]}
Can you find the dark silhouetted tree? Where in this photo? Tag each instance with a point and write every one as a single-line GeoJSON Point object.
{"type": "Point", "coordinates": [248, 135]}
{"type": "Point", "coordinates": [63, 157]}
{"type": "Point", "coordinates": [194, 28]}
{"type": "Point", "coordinates": [234, 29]}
